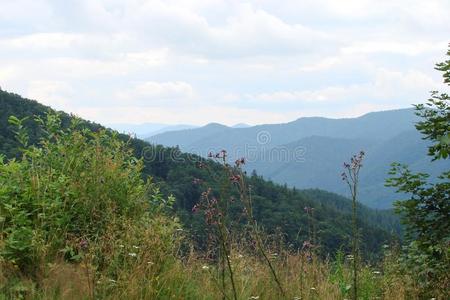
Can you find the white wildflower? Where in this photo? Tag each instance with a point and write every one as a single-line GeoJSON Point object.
{"type": "Point", "coordinates": [376, 272]}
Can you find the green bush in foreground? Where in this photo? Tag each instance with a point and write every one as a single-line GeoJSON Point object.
{"type": "Point", "coordinates": [78, 198]}
{"type": "Point", "coordinates": [426, 211]}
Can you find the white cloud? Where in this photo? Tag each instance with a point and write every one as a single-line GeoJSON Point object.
{"type": "Point", "coordinates": [412, 86]}
{"type": "Point", "coordinates": [148, 57]}
{"type": "Point", "coordinates": [253, 62]}
{"type": "Point", "coordinates": [328, 95]}
{"type": "Point", "coordinates": [53, 93]}
{"type": "Point", "coordinates": [391, 86]}
{"type": "Point", "coordinates": [7, 73]}
{"type": "Point", "coordinates": [406, 48]}
{"type": "Point", "coordinates": [247, 31]}
{"type": "Point", "coordinates": [25, 12]}
{"type": "Point", "coordinates": [188, 115]}
{"type": "Point", "coordinates": [153, 93]}
{"type": "Point", "coordinates": [47, 41]}
{"type": "Point", "coordinates": [323, 64]}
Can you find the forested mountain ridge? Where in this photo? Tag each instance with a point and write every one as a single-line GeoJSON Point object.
{"type": "Point", "coordinates": [308, 152]}
{"type": "Point", "coordinates": [376, 125]}
{"type": "Point", "coordinates": [275, 206]}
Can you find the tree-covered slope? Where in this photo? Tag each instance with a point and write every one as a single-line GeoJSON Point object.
{"type": "Point", "coordinates": [277, 208]}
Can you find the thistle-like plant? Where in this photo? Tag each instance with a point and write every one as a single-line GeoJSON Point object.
{"type": "Point", "coordinates": [237, 176]}
{"type": "Point", "coordinates": [216, 211]}
{"type": "Point", "coordinates": [351, 177]}
{"type": "Point", "coordinates": [215, 208]}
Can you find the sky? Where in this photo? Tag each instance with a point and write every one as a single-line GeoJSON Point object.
{"type": "Point", "coordinates": [196, 62]}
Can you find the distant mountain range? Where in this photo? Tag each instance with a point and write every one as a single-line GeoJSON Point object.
{"type": "Point", "coordinates": [309, 152]}
{"type": "Point", "coordinates": [147, 130]}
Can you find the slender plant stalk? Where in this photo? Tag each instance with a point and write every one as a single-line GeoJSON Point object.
{"type": "Point", "coordinates": [221, 213]}
{"type": "Point", "coordinates": [351, 177]}
{"type": "Point", "coordinates": [227, 257]}
{"type": "Point", "coordinates": [222, 273]}
{"type": "Point", "coordinates": [272, 269]}
{"type": "Point", "coordinates": [90, 287]}
{"type": "Point", "coordinates": [355, 242]}
{"type": "Point", "coordinates": [247, 200]}
{"type": "Point", "coordinates": [245, 196]}
{"type": "Point", "coordinates": [224, 206]}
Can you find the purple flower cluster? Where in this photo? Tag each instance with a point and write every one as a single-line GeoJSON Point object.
{"type": "Point", "coordinates": [235, 178]}
{"type": "Point", "coordinates": [221, 154]}
{"type": "Point", "coordinates": [308, 209]}
{"type": "Point", "coordinates": [208, 204]}
{"type": "Point", "coordinates": [356, 160]}
{"type": "Point", "coordinates": [197, 181]}
{"type": "Point", "coordinates": [84, 244]}
{"type": "Point", "coordinates": [201, 165]}
{"type": "Point", "coordinates": [354, 165]}
{"type": "Point", "coordinates": [239, 162]}
{"type": "Point", "coordinates": [196, 208]}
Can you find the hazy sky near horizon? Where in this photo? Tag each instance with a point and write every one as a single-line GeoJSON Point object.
{"type": "Point", "coordinates": [196, 62]}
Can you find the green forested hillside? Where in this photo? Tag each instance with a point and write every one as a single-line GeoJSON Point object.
{"type": "Point", "coordinates": [277, 208]}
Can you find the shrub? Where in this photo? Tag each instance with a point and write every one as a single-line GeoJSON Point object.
{"type": "Point", "coordinates": [79, 197]}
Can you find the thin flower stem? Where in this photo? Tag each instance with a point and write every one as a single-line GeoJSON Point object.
{"type": "Point", "coordinates": [227, 257]}
{"type": "Point", "coordinates": [246, 199]}
{"type": "Point", "coordinates": [351, 178]}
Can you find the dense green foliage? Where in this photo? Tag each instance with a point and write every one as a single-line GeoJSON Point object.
{"type": "Point", "coordinates": [77, 196]}
{"type": "Point", "coordinates": [436, 123]}
{"type": "Point", "coordinates": [426, 213]}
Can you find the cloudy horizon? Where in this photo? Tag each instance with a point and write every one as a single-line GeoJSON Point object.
{"type": "Point", "coordinates": [197, 62]}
